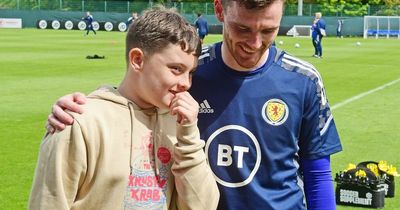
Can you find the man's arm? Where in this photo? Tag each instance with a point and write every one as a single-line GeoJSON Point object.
{"type": "Point", "coordinates": [60, 170]}
{"type": "Point", "coordinates": [318, 140]}
{"type": "Point", "coordinates": [318, 184]}
{"type": "Point", "coordinates": [59, 118]}
{"type": "Point", "coordinates": [194, 181]}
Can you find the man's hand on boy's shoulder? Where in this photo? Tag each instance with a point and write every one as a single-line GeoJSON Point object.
{"type": "Point", "coordinates": [59, 118]}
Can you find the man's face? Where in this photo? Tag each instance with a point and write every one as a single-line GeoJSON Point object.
{"type": "Point", "coordinates": [248, 33]}
{"type": "Point", "coordinates": [164, 74]}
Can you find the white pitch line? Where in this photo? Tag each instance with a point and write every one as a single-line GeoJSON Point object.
{"type": "Point", "coordinates": [361, 95]}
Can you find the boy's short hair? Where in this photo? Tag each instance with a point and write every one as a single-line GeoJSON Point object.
{"type": "Point", "coordinates": [250, 4]}
{"type": "Point", "coordinates": [156, 28]}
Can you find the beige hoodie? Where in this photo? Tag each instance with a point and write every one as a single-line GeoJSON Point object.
{"type": "Point", "coordinates": [118, 156]}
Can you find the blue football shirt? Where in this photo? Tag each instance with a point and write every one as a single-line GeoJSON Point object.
{"type": "Point", "coordinates": [258, 124]}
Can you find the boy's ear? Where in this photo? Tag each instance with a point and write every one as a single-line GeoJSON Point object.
{"type": "Point", "coordinates": [136, 56]}
{"type": "Point", "coordinates": [218, 10]}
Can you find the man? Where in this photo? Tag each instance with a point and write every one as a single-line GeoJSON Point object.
{"type": "Point", "coordinates": [339, 28]}
{"type": "Point", "coordinates": [131, 19]}
{"type": "Point", "coordinates": [201, 25]}
{"type": "Point", "coordinates": [263, 114]}
{"type": "Point", "coordinates": [89, 23]}
{"type": "Point", "coordinates": [318, 31]}
{"type": "Point", "coordinates": [136, 146]}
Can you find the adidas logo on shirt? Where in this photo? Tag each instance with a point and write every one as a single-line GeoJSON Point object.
{"type": "Point", "coordinates": [205, 107]}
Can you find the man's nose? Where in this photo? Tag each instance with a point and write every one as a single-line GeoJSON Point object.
{"type": "Point", "coordinates": [255, 41]}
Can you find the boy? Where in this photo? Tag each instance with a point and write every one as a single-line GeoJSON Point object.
{"type": "Point", "coordinates": [136, 146]}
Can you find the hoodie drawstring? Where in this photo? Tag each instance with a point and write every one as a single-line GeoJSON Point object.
{"type": "Point", "coordinates": [131, 112]}
{"type": "Point", "coordinates": [155, 134]}
{"type": "Point", "coordinates": [155, 141]}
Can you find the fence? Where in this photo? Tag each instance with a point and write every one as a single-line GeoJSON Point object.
{"type": "Point", "coordinates": [104, 6]}
{"type": "Point", "coordinates": [206, 8]}
{"type": "Point", "coordinates": [343, 10]}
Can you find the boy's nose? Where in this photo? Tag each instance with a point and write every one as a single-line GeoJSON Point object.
{"type": "Point", "coordinates": [184, 83]}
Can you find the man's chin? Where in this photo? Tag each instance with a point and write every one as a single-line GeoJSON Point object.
{"type": "Point", "coordinates": [248, 61]}
{"type": "Point", "coordinates": [247, 64]}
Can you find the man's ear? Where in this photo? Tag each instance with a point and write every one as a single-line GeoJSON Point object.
{"type": "Point", "coordinates": [136, 57]}
{"type": "Point", "coordinates": [219, 12]}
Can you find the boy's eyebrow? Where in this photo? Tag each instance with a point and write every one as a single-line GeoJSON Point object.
{"type": "Point", "coordinates": [181, 65]}
{"type": "Point", "coordinates": [186, 67]}
{"type": "Point", "coordinates": [177, 64]}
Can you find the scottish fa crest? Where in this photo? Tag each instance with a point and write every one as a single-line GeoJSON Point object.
{"type": "Point", "coordinates": [275, 112]}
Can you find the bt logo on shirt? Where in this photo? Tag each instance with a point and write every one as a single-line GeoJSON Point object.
{"type": "Point", "coordinates": [234, 155]}
{"type": "Point", "coordinates": [225, 155]}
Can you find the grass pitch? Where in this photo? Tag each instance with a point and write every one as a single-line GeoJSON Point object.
{"type": "Point", "coordinates": [39, 66]}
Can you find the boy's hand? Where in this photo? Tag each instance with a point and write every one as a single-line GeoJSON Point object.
{"type": "Point", "coordinates": [59, 118]}
{"type": "Point", "coordinates": [185, 107]}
